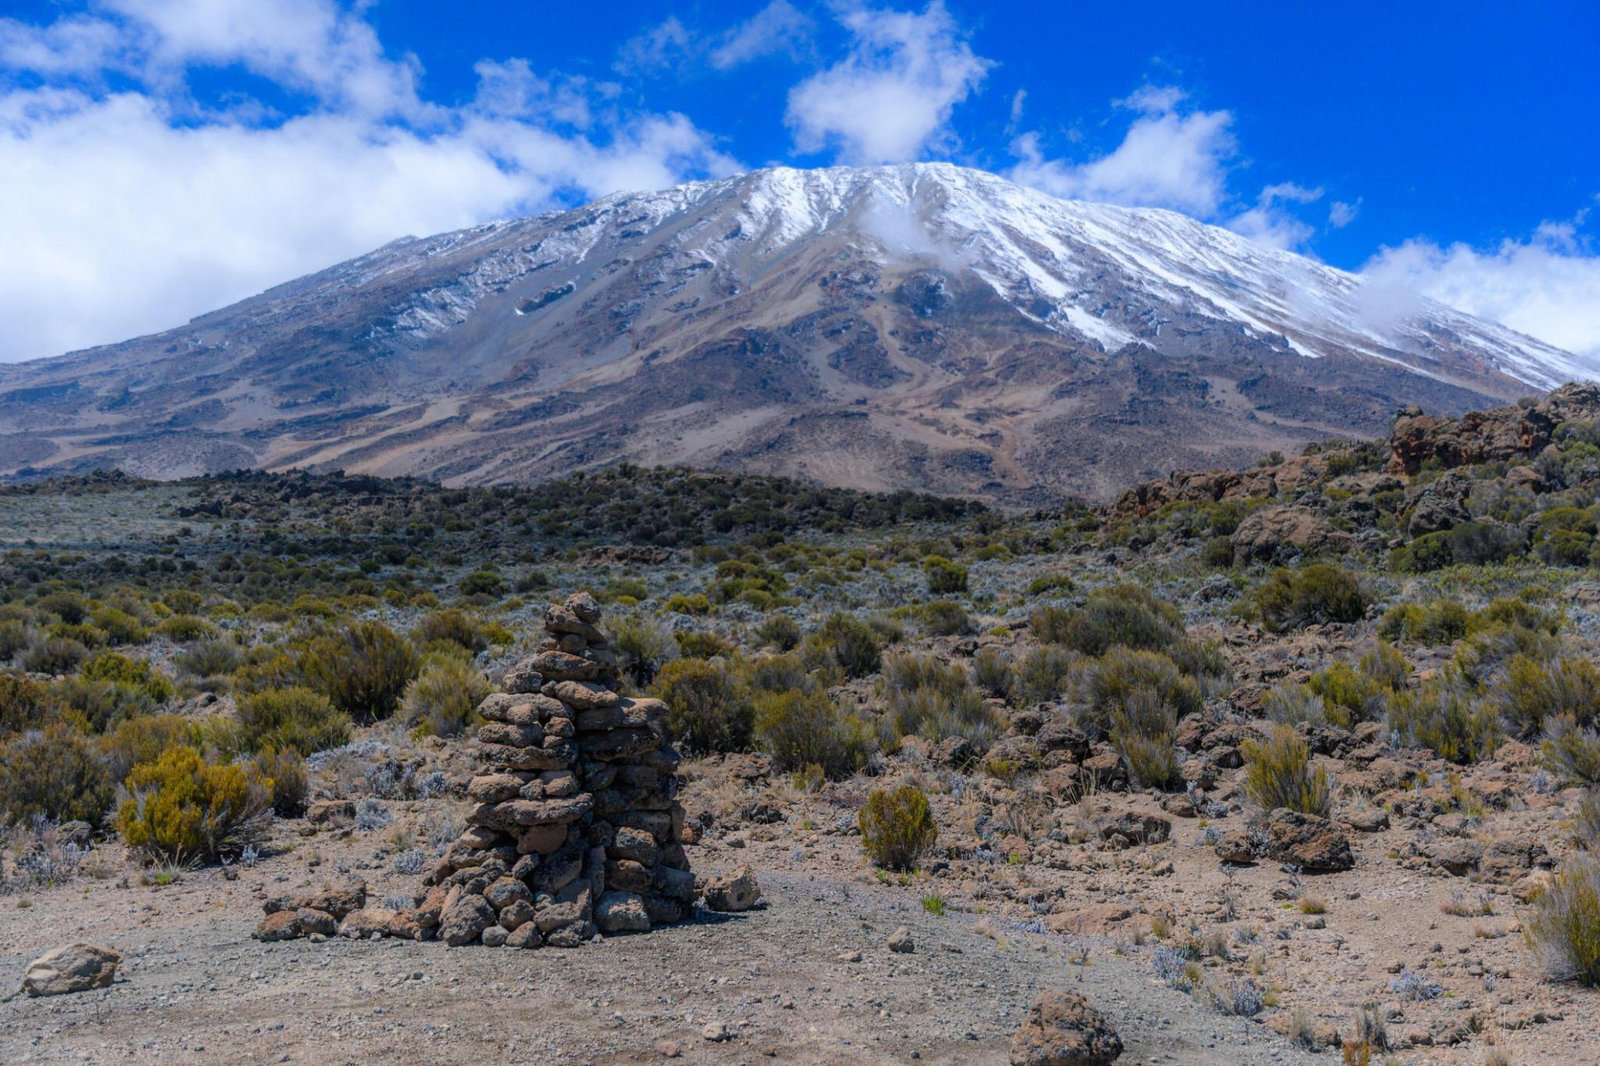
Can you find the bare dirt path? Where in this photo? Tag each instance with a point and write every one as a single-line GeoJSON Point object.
{"type": "Point", "coordinates": [196, 989]}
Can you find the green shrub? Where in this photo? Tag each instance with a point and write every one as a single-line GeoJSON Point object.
{"type": "Point", "coordinates": [1571, 751]}
{"type": "Point", "coordinates": [1278, 773]}
{"type": "Point", "coordinates": [185, 627]}
{"type": "Point", "coordinates": [1142, 728]}
{"type": "Point", "coordinates": [1044, 673]}
{"type": "Point", "coordinates": [1348, 695]}
{"type": "Point", "coordinates": [100, 705]}
{"type": "Point", "coordinates": [993, 674]}
{"type": "Point", "coordinates": [15, 637]}
{"type": "Point", "coordinates": [1447, 717]}
{"type": "Point", "coordinates": [363, 668]}
{"type": "Point", "coordinates": [70, 607]}
{"type": "Point", "coordinates": [1439, 622]}
{"type": "Point", "coordinates": [55, 772]}
{"type": "Point", "coordinates": [1385, 667]}
{"type": "Point", "coordinates": [298, 718]}
{"type": "Point", "coordinates": [24, 704]}
{"type": "Point", "coordinates": [935, 714]}
{"type": "Point", "coordinates": [851, 644]}
{"type": "Point", "coordinates": [449, 626]}
{"type": "Point", "coordinates": [943, 618]}
{"type": "Point", "coordinates": [290, 784]}
{"type": "Point", "coordinates": [897, 827]}
{"type": "Point", "coordinates": [183, 808]}
{"type": "Point", "coordinates": [642, 647]}
{"type": "Point", "coordinates": [1125, 615]}
{"type": "Point", "coordinates": [144, 739]}
{"type": "Point", "coordinates": [1109, 683]}
{"type": "Point", "coordinates": [54, 655]}
{"type": "Point", "coordinates": [1315, 594]}
{"type": "Point", "coordinates": [801, 729]}
{"type": "Point", "coordinates": [442, 699]}
{"type": "Point", "coordinates": [1294, 705]}
{"type": "Point", "coordinates": [482, 583]}
{"type": "Point", "coordinates": [1058, 584]}
{"type": "Point", "coordinates": [209, 658]}
{"type": "Point", "coordinates": [779, 673]}
{"type": "Point", "coordinates": [779, 631]}
{"type": "Point", "coordinates": [133, 673]}
{"type": "Point", "coordinates": [708, 705]}
{"type": "Point", "coordinates": [944, 577]}
{"type": "Point", "coordinates": [704, 644]}
{"type": "Point", "coordinates": [1564, 928]}
{"type": "Point", "coordinates": [696, 604]}
{"type": "Point", "coordinates": [120, 627]}
{"type": "Point", "coordinates": [1532, 692]}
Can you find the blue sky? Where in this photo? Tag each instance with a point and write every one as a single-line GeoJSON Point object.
{"type": "Point", "coordinates": [162, 157]}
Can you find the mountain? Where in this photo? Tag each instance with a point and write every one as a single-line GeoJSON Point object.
{"type": "Point", "coordinates": [921, 326]}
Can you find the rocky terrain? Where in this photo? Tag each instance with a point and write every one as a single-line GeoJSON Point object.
{"type": "Point", "coordinates": [1290, 763]}
{"type": "Point", "coordinates": [922, 326]}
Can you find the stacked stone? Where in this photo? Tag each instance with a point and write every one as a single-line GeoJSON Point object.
{"type": "Point", "coordinates": [576, 828]}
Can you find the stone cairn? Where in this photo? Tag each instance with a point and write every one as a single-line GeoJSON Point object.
{"type": "Point", "coordinates": [576, 828]}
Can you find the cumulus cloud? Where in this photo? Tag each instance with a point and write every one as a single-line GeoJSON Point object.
{"type": "Point", "coordinates": [1170, 157]}
{"type": "Point", "coordinates": [130, 210]}
{"type": "Point", "coordinates": [1547, 286]}
{"type": "Point", "coordinates": [890, 99]}
{"type": "Point", "coordinates": [1271, 223]}
{"type": "Point", "coordinates": [777, 29]}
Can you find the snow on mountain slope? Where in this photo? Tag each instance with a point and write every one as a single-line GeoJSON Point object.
{"type": "Point", "coordinates": [922, 325]}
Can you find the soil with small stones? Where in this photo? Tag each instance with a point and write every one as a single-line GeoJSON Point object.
{"type": "Point", "coordinates": [807, 979]}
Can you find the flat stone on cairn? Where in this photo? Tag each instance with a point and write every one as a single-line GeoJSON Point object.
{"type": "Point", "coordinates": [576, 828]}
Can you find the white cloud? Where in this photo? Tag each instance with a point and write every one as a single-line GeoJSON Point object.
{"type": "Point", "coordinates": [1547, 286]}
{"type": "Point", "coordinates": [1270, 223]}
{"type": "Point", "coordinates": [660, 48]}
{"type": "Point", "coordinates": [777, 29]}
{"type": "Point", "coordinates": [890, 99]}
{"type": "Point", "coordinates": [128, 212]}
{"type": "Point", "coordinates": [1341, 214]}
{"type": "Point", "coordinates": [1168, 158]}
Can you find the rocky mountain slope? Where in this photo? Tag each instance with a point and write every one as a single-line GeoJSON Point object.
{"type": "Point", "coordinates": [920, 326]}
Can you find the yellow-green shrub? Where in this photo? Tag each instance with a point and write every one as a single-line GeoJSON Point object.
{"type": "Point", "coordinates": [897, 827]}
{"type": "Point", "coordinates": [443, 698]}
{"type": "Point", "coordinates": [298, 718]}
{"type": "Point", "coordinates": [708, 705]}
{"type": "Point", "coordinates": [1278, 773]}
{"type": "Point", "coordinates": [1565, 925]}
{"type": "Point", "coordinates": [56, 772]}
{"type": "Point", "coordinates": [800, 729]}
{"type": "Point", "coordinates": [144, 739]}
{"type": "Point", "coordinates": [1319, 593]}
{"type": "Point", "coordinates": [182, 808]}
{"type": "Point", "coordinates": [286, 770]}
{"type": "Point", "coordinates": [363, 668]}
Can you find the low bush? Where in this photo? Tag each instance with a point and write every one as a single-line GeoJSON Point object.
{"type": "Point", "coordinates": [1278, 773]}
{"type": "Point", "coordinates": [1294, 705]}
{"type": "Point", "coordinates": [442, 699]}
{"type": "Point", "coordinates": [54, 655]}
{"type": "Point", "coordinates": [897, 827]}
{"type": "Point", "coordinates": [449, 626]}
{"type": "Point", "coordinates": [1571, 751]}
{"type": "Point", "coordinates": [1125, 615]}
{"type": "Point", "coordinates": [56, 772]}
{"type": "Point", "coordinates": [1315, 594]}
{"type": "Point", "coordinates": [363, 668]}
{"type": "Point", "coordinates": [708, 705]}
{"type": "Point", "coordinates": [943, 618]}
{"type": "Point", "coordinates": [1348, 695]}
{"type": "Point", "coordinates": [944, 577]}
{"type": "Point", "coordinates": [853, 645]}
{"type": "Point", "coordinates": [992, 672]}
{"type": "Point", "coordinates": [209, 658]}
{"type": "Point", "coordinates": [143, 739]}
{"type": "Point", "coordinates": [1564, 928]}
{"type": "Point", "coordinates": [1142, 730]}
{"type": "Point", "coordinates": [298, 718]}
{"type": "Point", "coordinates": [643, 646]}
{"type": "Point", "coordinates": [1108, 684]}
{"type": "Point", "coordinates": [291, 786]}
{"type": "Point", "coordinates": [800, 729]}
{"type": "Point", "coordinates": [181, 807]}
{"type": "Point", "coordinates": [779, 631]}
{"type": "Point", "coordinates": [24, 704]}
{"type": "Point", "coordinates": [1532, 692]}
{"type": "Point", "coordinates": [1438, 622]}
{"type": "Point", "coordinates": [183, 628]}
{"type": "Point", "coordinates": [1447, 717]}
{"type": "Point", "coordinates": [1044, 673]}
